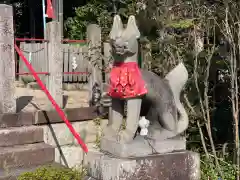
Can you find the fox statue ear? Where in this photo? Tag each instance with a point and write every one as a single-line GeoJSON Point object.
{"type": "Point", "coordinates": [132, 27]}
{"type": "Point", "coordinates": [117, 27]}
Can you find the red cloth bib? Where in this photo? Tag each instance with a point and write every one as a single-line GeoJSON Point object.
{"type": "Point", "coordinates": [126, 81]}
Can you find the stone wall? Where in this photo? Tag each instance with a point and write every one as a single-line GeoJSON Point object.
{"type": "Point", "coordinates": [67, 151]}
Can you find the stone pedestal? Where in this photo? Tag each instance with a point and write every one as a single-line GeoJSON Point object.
{"type": "Point", "coordinates": [172, 166]}
{"type": "Point", "coordinates": [140, 147]}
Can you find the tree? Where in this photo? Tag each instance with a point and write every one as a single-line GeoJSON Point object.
{"type": "Point", "coordinates": [96, 11]}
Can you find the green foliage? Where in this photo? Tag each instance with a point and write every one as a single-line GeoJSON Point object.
{"type": "Point", "coordinates": [90, 13]}
{"type": "Point", "coordinates": [98, 12]}
{"type": "Point", "coordinates": [209, 171]}
{"type": "Point", "coordinates": [53, 173]}
{"type": "Point", "coordinates": [97, 123]}
{"type": "Point", "coordinates": [183, 24]}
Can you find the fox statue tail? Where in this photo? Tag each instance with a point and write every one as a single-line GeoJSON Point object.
{"type": "Point", "coordinates": [177, 79]}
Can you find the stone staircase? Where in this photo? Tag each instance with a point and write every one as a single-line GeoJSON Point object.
{"type": "Point", "coordinates": [22, 149]}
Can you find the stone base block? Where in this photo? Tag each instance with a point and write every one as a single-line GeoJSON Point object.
{"type": "Point", "coordinates": [142, 147]}
{"type": "Point", "coordinates": [69, 156]}
{"type": "Point", "coordinates": [59, 134]}
{"type": "Point", "coordinates": [172, 166]}
{"type": "Point", "coordinates": [26, 155]}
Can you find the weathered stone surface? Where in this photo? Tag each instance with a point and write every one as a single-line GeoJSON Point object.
{"type": "Point", "coordinates": [33, 85]}
{"type": "Point", "coordinates": [89, 130]}
{"type": "Point", "coordinates": [7, 60]}
{"type": "Point", "coordinates": [66, 86]}
{"type": "Point", "coordinates": [173, 166]}
{"type": "Point", "coordinates": [57, 134]}
{"type": "Point", "coordinates": [45, 117]}
{"type": "Point", "coordinates": [83, 113]}
{"type": "Point", "coordinates": [19, 84]}
{"type": "Point", "coordinates": [16, 119]}
{"type": "Point", "coordinates": [69, 156]}
{"type": "Point", "coordinates": [142, 147]}
{"type": "Point", "coordinates": [26, 155]}
{"type": "Point", "coordinates": [74, 86]}
{"type": "Point", "coordinates": [20, 135]}
{"type": "Point", "coordinates": [55, 63]}
{"type": "Point", "coordinates": [73, 114]}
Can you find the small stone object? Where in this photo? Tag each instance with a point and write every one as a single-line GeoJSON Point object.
{"type": "Point", "coordinates": [30, 57]}
{"type": "Point", "coordinates": [74, 63]}
{"type": "Point", "coordinates": [143, 124]}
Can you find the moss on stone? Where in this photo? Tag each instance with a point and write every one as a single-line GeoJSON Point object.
{"type": "Point", "coordinates": [97, 123]}
{"type": "Point", "coordinates": [54, 173]}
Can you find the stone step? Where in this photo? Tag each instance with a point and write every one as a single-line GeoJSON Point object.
{"type": "Point", "coordinates": [20, 135]}
{"type": "Point", "coordinates": [16, 119]}
{"type": "Point", "coordinates": [13, 174]}
{"type": "Point", "coordinates": [26, 155]}
{"type": "Point", "coordinates": [46, 117]}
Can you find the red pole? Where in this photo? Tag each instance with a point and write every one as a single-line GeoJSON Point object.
{"type": "Point", "coordinates": [71, 40]}
{"type": "Point", "coordinates": [58, 109]}
{"type": "Point", "coordinates": [27, 73]}
{"type": "Point", "coordinates": [47, 73]}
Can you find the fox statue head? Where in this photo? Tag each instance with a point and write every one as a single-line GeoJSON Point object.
{"type": "Point", "coordinates": [124, 41]}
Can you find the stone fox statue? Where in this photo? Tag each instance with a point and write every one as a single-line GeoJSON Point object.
{"type": "Point", "coordinates": [161, 105]}
{"type": "Point", "coordinates": [146, 93]}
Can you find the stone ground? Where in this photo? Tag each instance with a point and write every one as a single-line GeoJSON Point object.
{"type": "Point", "coordinates": [32, 99]}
